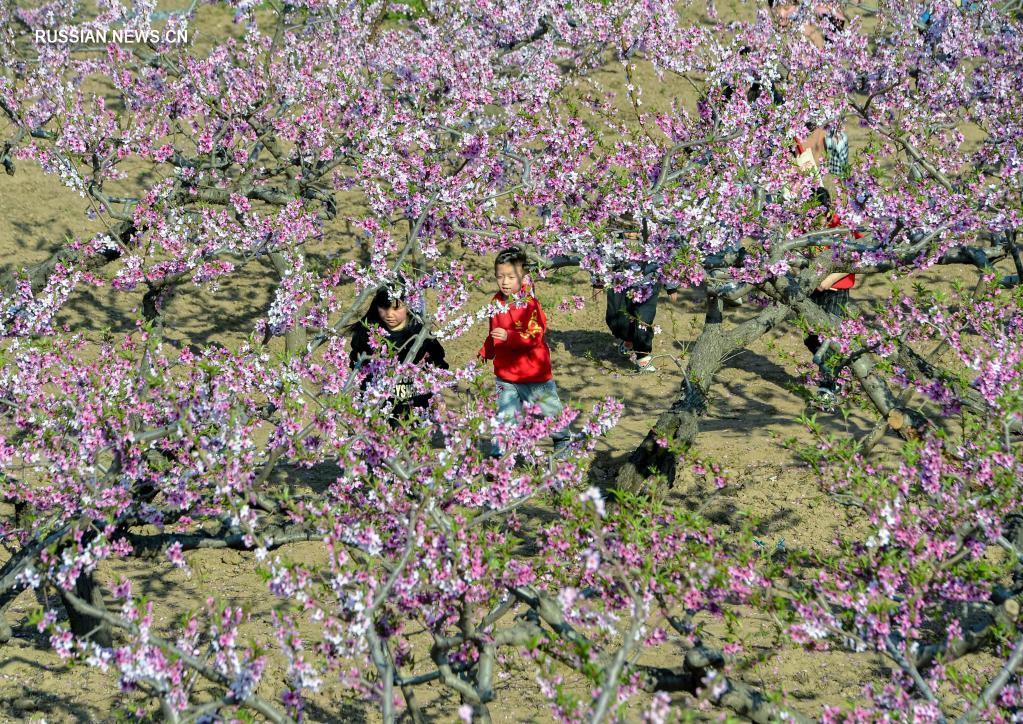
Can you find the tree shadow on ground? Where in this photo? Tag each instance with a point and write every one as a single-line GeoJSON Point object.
{"type": "Point", "coordinates": [35, 703]}
{"type": "Point", "coordinates": [345, 711]}
{"type": "Point", "coordinates": [302, 479]}
{"type": "Point", "coordinates": [587, 344]}
{"type": "Point", "coordinates": [602, 348]}
{"type": "Point", "coordinates": [89, 309]}
{"type": "Point", "coordinates": [192, 316]}
{"type": "Point", "coordinates": [200, 318]}
{"type": "Point", "coordinates": [29, 238]}
{"type": "Point", "coordinates": [765, 368]}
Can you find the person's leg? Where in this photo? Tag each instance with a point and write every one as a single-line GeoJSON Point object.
{"type": "Point", "coordinates": [616, 316]}
{"type": "Point", "coordinates": [509, 404]}
{"type": "Point", "coordinates": [812, 341]}
{"type": "Point", "coordinates": [822, 300]}
{"type": "Point", "coordinates": [833, 302]}
{"type": "Point", "coordinates": [642, 315]}
{"type": "Point", "coordinates": [545, 395]}
{"type": "Point", "coordinates": [836, 302]}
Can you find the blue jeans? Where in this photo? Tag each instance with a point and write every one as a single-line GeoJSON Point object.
{"type": "Point", "coordinates": [511, 396]}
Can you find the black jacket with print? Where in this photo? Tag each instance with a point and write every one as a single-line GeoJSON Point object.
{"type": "Point", "coordinates": [400, 343]}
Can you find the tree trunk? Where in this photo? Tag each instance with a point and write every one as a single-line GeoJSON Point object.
{"type": "Point", "coordinates": [680, 425]}
{"type": "Point", "coordinates": [82, 624]}
{"type": "Point", "coordinates": [152, 303]}
{"type": "Point", "coordinates": [6, 632]}
{"type": "Point", "coordinates": [295, 339]}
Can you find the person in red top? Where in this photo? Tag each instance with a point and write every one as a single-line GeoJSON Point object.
{"type": "Point", "coordinates": [516, 344]}
{"type": "Point", "coordinates": [838, 280]}
{"type": "Point", "coordinates": [831, 295]}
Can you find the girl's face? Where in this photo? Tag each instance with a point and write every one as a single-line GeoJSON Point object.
{"type": "Point", "coordinates": [394, 318]}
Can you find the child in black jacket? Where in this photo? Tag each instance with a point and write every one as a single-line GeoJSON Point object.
{"type": "Point", "coordinates": [389, 313]}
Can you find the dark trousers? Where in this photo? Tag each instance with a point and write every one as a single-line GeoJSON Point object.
{"type": "Point", "coordinates": [632, 322]}
{"type": "Point", "coordinates": [832, 302]}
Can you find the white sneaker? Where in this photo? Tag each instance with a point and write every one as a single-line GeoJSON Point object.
{"type": "Point", "coordinates": [645, 364]}
{"type": "Point", "coordinates": [826, 398]}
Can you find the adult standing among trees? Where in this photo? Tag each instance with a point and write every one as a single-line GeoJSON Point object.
{"type": "Point", "coordinates": [831, 295]}
{"type": "Point", "coordinates": [631, 311]}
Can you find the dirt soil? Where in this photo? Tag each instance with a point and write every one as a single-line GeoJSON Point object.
{"type": "Point", "coordinates": [756, 405]}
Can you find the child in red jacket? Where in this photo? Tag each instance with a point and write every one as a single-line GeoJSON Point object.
{"type": "Point", "coordinates": [522, 361]}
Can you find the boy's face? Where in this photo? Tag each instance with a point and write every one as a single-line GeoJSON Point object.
{"type": "Point", "coordinates": [509, 278]}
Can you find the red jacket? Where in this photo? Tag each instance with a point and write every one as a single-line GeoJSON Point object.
{"type": "Point", "coordinates": [524, 356]}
